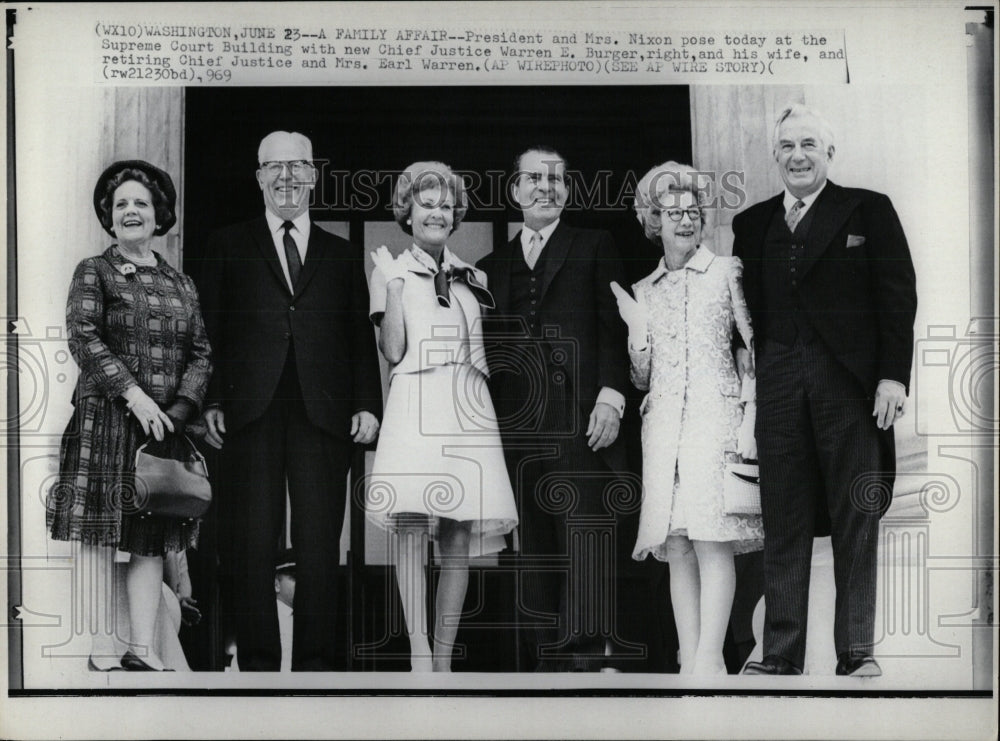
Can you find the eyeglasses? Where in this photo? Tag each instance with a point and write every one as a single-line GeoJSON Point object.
{"type": "Point", "coordinates": [296, 167]}
{"type": "Point", "coordinates": [676, 214]}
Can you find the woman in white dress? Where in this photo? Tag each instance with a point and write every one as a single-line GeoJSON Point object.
{"type": "Point", "coordinates": [681, 324]}
{"type": "Point", "coordinates": [439, 470]}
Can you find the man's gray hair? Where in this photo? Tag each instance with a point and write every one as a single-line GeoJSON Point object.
{"type": "Point", "coordinates": [796, 110]}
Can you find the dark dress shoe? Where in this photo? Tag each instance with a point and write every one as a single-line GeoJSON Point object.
{"type": "Point", "coordinates": [132, 663]}
{"type": "Point", "coordinates": [95, 668]}
{"type": "Point", "coordinates": [858, 666]}
{"type": "Point", "coordinates": [772, 665]}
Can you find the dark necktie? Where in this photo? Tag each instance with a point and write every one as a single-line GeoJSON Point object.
{"type": "Point", "coordinates": [291, 254]}
{"type": "Point", "coordinates": [794, 214]}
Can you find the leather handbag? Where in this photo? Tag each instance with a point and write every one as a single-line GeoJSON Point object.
{"type": "Point", "coordinates": [168, 487]}
{"type": "Point", "coordinates": [741, 488]}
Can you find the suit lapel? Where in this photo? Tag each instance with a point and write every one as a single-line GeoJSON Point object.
{"type": "Point", "coordinates": [765, 215]}
{"type": "Point", "coordinates": [555, 252]}
{"type": "Point", "coordinates": [753, 258]}
{"type": "Point", "coordinates": [265, 243]}
{"type": "Point", "coordinates": [315, 254]}
{"type": "Point", "coordinates": [833, 207]}
{"type": "Point", "coordinates": [500, 285]}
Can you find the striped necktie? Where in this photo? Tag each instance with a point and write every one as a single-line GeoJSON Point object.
{"type": "Point", "coordinates": [794, 214]}
{"type": "Point", "coordinates": [534, 249]}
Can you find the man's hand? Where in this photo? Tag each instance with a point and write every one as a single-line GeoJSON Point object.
{"type": "Point", "coordinates": [190, 614]}
{"type": "Point", "coordinates": [215, 422]}
{"type": "Point", "coordinates": [890, 402]}
{"type": "Point", "coordinates": [744, 363]}
{"type": "Point", "coordinates": [604, 425]}
{"type": "Point", "coordinates": [364, 428]}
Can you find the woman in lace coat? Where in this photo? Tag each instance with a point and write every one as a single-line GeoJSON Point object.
{"type": "Point", "coordinates": [681, 324]}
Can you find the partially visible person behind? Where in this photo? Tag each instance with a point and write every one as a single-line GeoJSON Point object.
{"type": "Point", "coordinates": [440, 425]}
{"type": "Point", "coordinates": [136, 332]}
{"type": "Point", "coordinates": [831, 288]}
{"type": "Point", "coordinates": [681, 323]}
{"type": "Point", "coordinates": [178, 578]}
{"type": "Point", "coordinates": [284, 589]}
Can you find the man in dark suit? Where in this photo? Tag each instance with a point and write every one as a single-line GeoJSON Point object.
{"type": "Point", "coordinates": [559, 365]}
{"type": "Point", "coordinates": [831, 290]}
{"type": "Point", "coordinates": [296, 385]}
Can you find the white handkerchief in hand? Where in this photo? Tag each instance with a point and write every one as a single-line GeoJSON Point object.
{"type": "Point", "coordinates": [746, 443]}
{"type": "Point", "coordinates": [749, 391]}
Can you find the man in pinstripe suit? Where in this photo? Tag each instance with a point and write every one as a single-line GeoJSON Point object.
{"type": "Point", "coordinates": [831, 289]}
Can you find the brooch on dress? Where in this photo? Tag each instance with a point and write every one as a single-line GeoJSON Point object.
{"type": "Point", "coordinates": [126, 268]}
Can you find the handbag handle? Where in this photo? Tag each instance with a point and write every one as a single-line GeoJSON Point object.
{"type": "Point", "coordinates": [194, 454]}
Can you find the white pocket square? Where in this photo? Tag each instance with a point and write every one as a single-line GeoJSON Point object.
{"type": "Point", "coordinates": [854, 240]}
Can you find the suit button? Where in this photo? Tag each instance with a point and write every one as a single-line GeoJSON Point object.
{"type": "Point", "coordinates": [532, 279]}
{"type": "Point", "coordinates": [793, 269]}
{"type": "Point", "coordinates": [793, 257]}
{"type": "Point", "coordinates": [291, 308]}
{"type": "Point", "coordinates": [288, 335]}
{"type": "Point", "coordinates": [533, 302]}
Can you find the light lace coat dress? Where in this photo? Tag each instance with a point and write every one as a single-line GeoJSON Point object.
{"type": "Point", "coordinates": [692, 413]}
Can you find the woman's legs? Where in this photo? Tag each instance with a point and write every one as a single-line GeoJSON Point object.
{"type": "Point", "coordinates": [143, 582]}
{"type": "Point", "coordinates": [718, 584]}
{"type": "Point", "coordinates": [685, 597]}
{"type": "Point", "coordinates": [97, 589]}
{"type": "Point", "coordinates": [411, 557]}
{"type": "Point", "coordinates": [453, 542]}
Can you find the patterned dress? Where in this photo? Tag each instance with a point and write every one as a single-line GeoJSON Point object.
{"type": "Point", "coordinates": [128, 325]}
{"type": "Point", "coordinates": [692, 413]}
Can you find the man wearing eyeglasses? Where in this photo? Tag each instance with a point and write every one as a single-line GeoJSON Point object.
{"type": "Point", "coordinates": [831, 290]}
{"type": "Point", "coordinates": [296, 386]}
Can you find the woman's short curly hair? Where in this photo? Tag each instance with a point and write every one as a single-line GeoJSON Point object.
{"type": "Point", "coordinates": [421, 176]}
{"type": "Point", "coordinates": [161, 204]}
{"type": "Point", "coordinates": [670, 177]}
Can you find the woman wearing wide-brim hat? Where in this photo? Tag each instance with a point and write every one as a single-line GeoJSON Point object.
{"type": "Point", "coordinates": [135, 330]}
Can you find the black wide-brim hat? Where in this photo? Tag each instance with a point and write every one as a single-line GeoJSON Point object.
{"type": "Point", "coordinates": [155, 175]}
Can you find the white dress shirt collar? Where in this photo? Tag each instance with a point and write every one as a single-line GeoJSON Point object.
{"type": "Point", "coordinates": [807, 200]}
{"type": "Point", "coordinates": [302, 226]}
{"type": "Point", "coordinates": [545, 231]}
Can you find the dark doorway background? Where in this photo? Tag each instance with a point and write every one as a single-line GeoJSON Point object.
{"type": "Point", "coordinates": [619, 131]}
{"type": "Point", "coordinates": [610, 137]}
